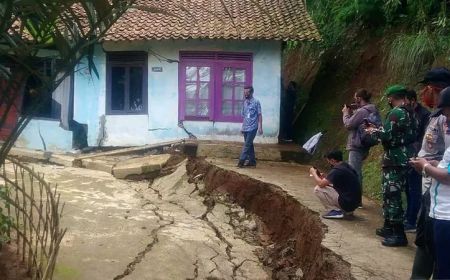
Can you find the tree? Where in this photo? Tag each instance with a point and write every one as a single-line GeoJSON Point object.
{"type": "Point", "coordinates": [68, 30]}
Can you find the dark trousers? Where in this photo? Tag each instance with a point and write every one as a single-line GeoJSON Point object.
{"type": "Point", "coordinates": [413, 196]}
{"type": "Point", "coordinates": [441, 249]}
{"type": "Point", "coordinates": [423, 264]}
{"type": "Point", "coordinates": [248, 151]}
{"type": "Point", "coordinates": [424, 259]}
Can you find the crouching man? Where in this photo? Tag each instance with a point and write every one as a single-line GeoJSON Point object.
{"type": "Point", "coordinates": [340, 190]}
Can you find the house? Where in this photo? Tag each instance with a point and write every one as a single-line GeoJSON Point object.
{"type": "Point", "coordinates": [176, 70]}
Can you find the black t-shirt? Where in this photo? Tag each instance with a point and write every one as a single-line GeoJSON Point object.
{"type": "Point", "coordinates": [346, 183]}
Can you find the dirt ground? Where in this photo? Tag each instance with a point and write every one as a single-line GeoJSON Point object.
{"type": "Point", "coordinates": [11, 267]}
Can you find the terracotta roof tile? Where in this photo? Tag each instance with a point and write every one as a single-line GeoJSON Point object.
{"type": "Point", "coordinates": [184, 19]}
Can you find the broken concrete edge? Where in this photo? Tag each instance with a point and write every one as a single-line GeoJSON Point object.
{"type": "Point", "coordinates": [150, 165]}
{"type": "Point", "coordinates": [132, 150]}
{"type": "Point", "coordinates": [46, 156]}
{"type": "Point", "coordinates": [286, 220]}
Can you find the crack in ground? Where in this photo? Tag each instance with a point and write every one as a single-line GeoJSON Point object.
{"type": "Point", "coordinates": [210, 203]}
{"type": "Point", "coordinates": [180, 206]}
{"type": "Point", "coordinates": [141, 255]}
{"type": "Point", "coordinates": [155, 191]}
{"type": "Point", "coordinates": [195, 271]}
{"type": "Point", "coordinates": [236, 267]}
{"type": "Point", "coordinates": [212, 259]}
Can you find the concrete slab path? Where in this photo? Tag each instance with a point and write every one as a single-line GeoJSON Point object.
{"type": "Point", "coordinates": [121, 229]}
{"type": "Point", "coordinates": [355, 239]}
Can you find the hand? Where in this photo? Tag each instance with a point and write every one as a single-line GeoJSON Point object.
{"type": "Point", "coordinates": [312, 171]}
{"type": "Point", "coordinates": [370, 129]}
{"type": "Point", "coordinates": [434, 162]}
{"type": "Point", "coordinates": [418, 163]}
{"type": "Point", "coordinates": [260, 131]}
{"type": "Point", "coordinates": [346, 110]}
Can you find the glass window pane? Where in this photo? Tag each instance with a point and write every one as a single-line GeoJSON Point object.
{"type": "Point", "coordinates": [238, 108]}
{"type": "Point", "coordinates": [227, 75]}
{"type": "Point", "coordinates": [227, 92]}
{"type": "Point", "coordinates": [203, 108]}
{"type": "Point", "coordinates": [136, 88]}
{"type": "Point", "coordinates": [190, 108]}
{"type": "Point", "coordinates": [204, 73]}
{"type": "Point", "coordinates": [238, 93]}
{"type": "Point", "coordinates": [191, 73]}
{"type": "Point", "coordinates": [239, 75]}
{"type": "Point", "coordinates": [227, 108]}
{"type": "Point", "coordinates": [118, 88]}
{"type": "Point", "coordinates": [191, 89]}
{"type": "Point", "coordinates": [204, 91]}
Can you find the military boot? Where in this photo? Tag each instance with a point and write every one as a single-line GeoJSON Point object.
{"type": "Point", "coordinates": [386, 230]}
{"type": "Point", "coordinates": [398, 237]}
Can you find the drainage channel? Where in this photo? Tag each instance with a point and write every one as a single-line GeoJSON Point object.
{"type": "Point", "coordinates": [289, 233]}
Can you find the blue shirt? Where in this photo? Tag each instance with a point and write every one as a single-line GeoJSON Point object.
{"type": "Point", "coordinates": [250, 112]}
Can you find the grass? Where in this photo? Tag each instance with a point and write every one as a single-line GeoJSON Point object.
{"type": "Point", "coordinates": [372, 174]}
{"type": "Point", "coordinates": [410, 54]}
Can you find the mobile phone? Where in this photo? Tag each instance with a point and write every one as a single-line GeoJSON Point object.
{"type": "Point", "coordinates": [317, 171]}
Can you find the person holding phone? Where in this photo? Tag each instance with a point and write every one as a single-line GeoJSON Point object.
{"type": "Point", "coordinates": [439, 211]}
{"type": "Point", "coordinates": [339, 191]}
{"type": "Point", "coordinates": [397, 136]}
{"type": "Point", "coordinates": [353, 118]}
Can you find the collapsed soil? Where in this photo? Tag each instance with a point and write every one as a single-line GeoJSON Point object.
{"type": "Point", "coordinates": [293, 231]}
{"type": "Point", "coordinates": [239, 214]}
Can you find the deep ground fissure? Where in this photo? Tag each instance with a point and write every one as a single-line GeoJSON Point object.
{"type": "Point", "coordinates": [290, 233]}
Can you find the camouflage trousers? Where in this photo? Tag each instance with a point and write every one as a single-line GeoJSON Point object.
{"type": "Point", "coordinates": [393, 183]}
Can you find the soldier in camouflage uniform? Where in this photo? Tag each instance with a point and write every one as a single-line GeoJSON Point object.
{"type": "Point", "coordinates": [397, 137]}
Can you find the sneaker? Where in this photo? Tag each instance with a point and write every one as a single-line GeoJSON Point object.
{"type": "Point", "coordinates": [410, 228]}
{"type": "Point", "coordinates": [240, 164]}
{"type": "Point", "coordinates": [250, 164]}
{"type": "Point", "coordinates": [334, 214]}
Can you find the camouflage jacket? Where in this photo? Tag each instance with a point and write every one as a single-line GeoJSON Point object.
{"type": "Point", "coordinates": [398, 136]}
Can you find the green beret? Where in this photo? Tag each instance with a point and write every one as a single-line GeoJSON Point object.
{"type": "Point", "coordinates": [395, 90]}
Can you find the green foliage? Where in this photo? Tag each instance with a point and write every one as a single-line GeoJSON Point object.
{"type": "Point", "coordinates": [69, 30]}
{"type": "Point", "coordinates": [5, 221]}
{"type": "Point", "coordinates": [334, 18]}
{"type": "Point", "coordinates": [410, 54]}
{"type": "Point", "coordinates": [372, 174]}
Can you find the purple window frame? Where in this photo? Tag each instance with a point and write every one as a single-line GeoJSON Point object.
{"type": "Point", "coordinates": [215, 101]}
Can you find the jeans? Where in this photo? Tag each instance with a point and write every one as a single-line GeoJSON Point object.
{"type": "Point", "coordinates": [355, 160]}
{"type": "Point", "coordinates": [413, 196]}
{"type": "Point", "coordinates": [248, 151]}
{"type": "Point", "coordinates": [441, 249]}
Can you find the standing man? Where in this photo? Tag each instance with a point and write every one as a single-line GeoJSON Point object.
{"type": "Point", "coordinates": [414, 181]}
{"type": "Point", "coordinates": [251, 111]}
{"type": "Point", "coordinates": [437, 228]}
{"type": "Point", "coordinates": [397, 137]}
{"type": "Point", "coordinates": [435, 141]}
{"type": "Point", "coordinates": [352, 122]}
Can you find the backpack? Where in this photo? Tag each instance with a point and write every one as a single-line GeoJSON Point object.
{"type": "Point", "coordinates": [366, 139]}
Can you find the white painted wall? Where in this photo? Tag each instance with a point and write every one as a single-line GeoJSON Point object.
{"type": "Point", "coordinates": [161, 122]}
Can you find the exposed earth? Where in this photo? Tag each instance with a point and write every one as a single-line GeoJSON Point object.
{"type": "Point", "coordinates": [209, 220]}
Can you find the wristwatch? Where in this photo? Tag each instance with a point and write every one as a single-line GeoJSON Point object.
{"type": "Point", "coordinates": [424, 172]}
